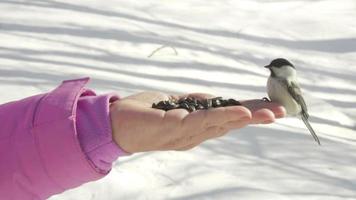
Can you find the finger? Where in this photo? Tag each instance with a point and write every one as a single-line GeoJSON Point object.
{"type": "Point", "coordinates": [214, 132]}
{"type": "Point", "coordinates": [192, 125]}
{"type": "Point", "coordinates": [257, 104]}
{"type": "Point", "coordinates": [193, 141]}
{"type": "Point", "coordinates": [203, 119]}
{"type": "Point", "coordinates": [262, 116]}
{"type": "Point", "coordinates": [237, 124]}
{"type": "Point", "coordinates": [222, 115]}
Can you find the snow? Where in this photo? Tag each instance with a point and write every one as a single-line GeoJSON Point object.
{"type": "Point", "coordinates": [222, 46]}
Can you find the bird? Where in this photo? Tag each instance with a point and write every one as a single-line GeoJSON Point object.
{"type": "Point", "coordinates": [283, 87]}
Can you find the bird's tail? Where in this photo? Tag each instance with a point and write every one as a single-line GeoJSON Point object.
{"type": "Point", "coordinates": [311, 130]}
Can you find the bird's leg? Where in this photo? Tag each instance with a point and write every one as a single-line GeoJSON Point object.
{"type": "Point", "coordinates": [265, 99]}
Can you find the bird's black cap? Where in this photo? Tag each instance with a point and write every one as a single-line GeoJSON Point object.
{"type": "Point", "coordinates": [279, 62]}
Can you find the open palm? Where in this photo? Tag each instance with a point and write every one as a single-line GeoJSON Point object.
{"type": "Point", "coordinates": [137, 127]}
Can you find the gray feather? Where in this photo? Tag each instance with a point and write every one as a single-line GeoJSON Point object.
{"type": "Point", "coordinates": [311, 130]}
{"type": "Point", "coordinates": [296, 93]}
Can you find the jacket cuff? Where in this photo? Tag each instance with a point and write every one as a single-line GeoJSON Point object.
{"type": "Point", "coordinates": [55, 132]}
{"type": "Point", "coordinates": [94, 130]}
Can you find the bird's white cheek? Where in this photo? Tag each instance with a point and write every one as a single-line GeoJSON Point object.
{"type": "Point", "coordinates": [285, 72]}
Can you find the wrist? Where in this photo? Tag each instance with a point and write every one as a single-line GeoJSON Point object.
{"type": "Point", "coordinates": [118, 128]}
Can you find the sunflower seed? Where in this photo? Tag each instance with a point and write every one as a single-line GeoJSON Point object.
{"type": "Point", "coordinates": [191, 104]}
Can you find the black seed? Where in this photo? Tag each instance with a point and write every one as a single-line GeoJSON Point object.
{"type": "Point", "coordinates": [233, 102]}
{"type": "Point", "coordinates": [184, 105]}
{"type": "Point", "coordinates": [205, 104]}
{"type": "Point", "coordinates": [182, 100]}
{"type": "Point", "coordinates": [171, 103]}
{"type": "Point", "coordinates": [216, 103]}
{"type": "Point", "coordinates": [163, 108]}
{"type": "Point", "coordinates": [171, 106]}
{"type": "Point", "coordinates": [191, 104]}
{"type": "Point", "coordinates": [210, 103]}
{"type": "Point", "coordinates": [199, 107]}
{"type": "Point", "coordinates": [161, 103]}
{"type": "Point", "coordinates": [223, 102]}
{"type": "Point", "coordinates": [190, 100]}
{"type": "Point", "coordinates": [194, 102]}
{"type": "Point", "coordinates": [191, 108]}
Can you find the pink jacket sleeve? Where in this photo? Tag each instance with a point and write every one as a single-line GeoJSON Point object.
{"type": "Point", "coordinates": [41, 153]}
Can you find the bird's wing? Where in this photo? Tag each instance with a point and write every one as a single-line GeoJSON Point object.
{"type": "Point", "coordinates": [296, 93]}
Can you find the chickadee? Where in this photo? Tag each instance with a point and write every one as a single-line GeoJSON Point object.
{"type": "Point", "coordinates": [283, 87]}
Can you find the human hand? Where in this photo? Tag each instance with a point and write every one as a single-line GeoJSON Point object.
{"type": "Point", "coordinates": [137, 127]}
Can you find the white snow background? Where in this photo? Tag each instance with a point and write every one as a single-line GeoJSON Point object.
{"type": "Point", "coordinates": [222, 47]}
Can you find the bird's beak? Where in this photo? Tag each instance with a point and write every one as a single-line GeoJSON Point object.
{"type": "Point", "coordinates": [268, 66]}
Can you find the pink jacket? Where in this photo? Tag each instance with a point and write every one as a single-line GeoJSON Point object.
{"type": "Point", "coordinates": [55, 141]}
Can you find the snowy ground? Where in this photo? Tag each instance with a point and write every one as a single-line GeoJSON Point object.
{"type": "Point", "coordinates": [222, 46]}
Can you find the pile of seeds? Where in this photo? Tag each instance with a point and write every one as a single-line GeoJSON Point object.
{"type": "Point", "coordinates": [192, 104]}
